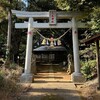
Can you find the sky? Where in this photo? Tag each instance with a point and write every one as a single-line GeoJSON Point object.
{"type": "Point", "coordinates": [25, 1]}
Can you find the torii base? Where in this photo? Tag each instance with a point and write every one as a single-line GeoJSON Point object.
{"type": "Point", "coordinates": [26, 78]}
{"type": "Point", "coordinates": [78, 78]}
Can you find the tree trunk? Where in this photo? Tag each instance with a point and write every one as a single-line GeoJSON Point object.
{"type": "Point", "coordinates": [9, 34]}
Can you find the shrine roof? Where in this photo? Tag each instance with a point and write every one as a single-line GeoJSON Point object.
{"type": "Point", "coordinates": [49, 48]}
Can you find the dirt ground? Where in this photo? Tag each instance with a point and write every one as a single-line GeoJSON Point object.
{"type": "Point", "coordinates": [57, 85]}
{"type": "Point", "coordinates": [51, 86]}
{"type": "Point", "coordinates": [89, 91]}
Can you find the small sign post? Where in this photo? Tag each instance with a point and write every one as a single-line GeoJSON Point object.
{"type": "Point", "coordinates": [52, 17]}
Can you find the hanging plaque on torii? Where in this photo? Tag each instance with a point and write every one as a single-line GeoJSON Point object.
{"type": "Point", "coordinates": [52, 17]}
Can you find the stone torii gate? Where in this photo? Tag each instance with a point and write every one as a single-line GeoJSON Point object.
{"type": "Point", "coordinates": [52, 15]}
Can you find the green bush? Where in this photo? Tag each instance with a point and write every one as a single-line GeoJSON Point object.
{"type": "Point", "coordinates": [89, 69]}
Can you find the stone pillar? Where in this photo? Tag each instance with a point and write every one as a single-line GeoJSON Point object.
{"type": "Point", "coordinates": [27, 76]}
{"type": "Point", "coordinates": [77, 77]}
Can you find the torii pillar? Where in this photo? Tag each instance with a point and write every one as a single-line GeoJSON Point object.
{"type": "Point", "coordinates": [27, 76]}
{"type": "Point", "coordinates": [77, 76]}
